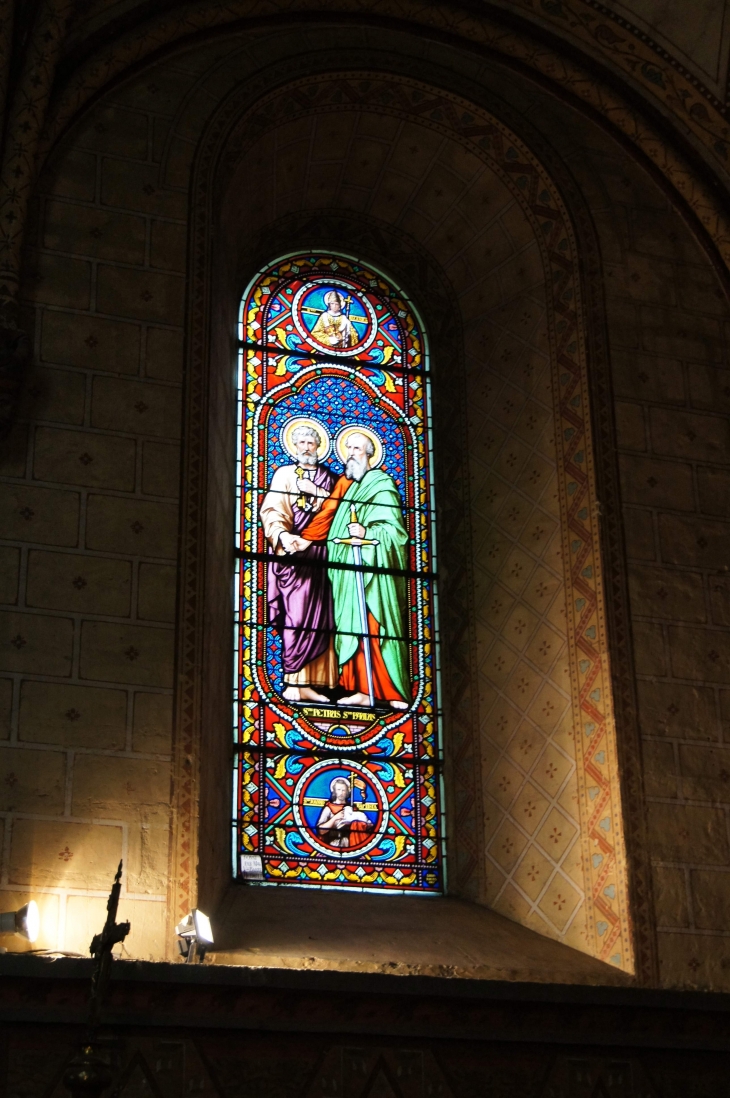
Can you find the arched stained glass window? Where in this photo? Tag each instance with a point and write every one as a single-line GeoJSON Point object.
{"type": "Point", "coordinates": [338, 766]}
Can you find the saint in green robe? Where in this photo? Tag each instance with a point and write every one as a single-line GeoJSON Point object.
{"type": "Point", "coordinates": [378, 507]}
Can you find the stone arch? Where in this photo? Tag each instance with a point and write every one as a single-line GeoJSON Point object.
{"type": "Point", "coordinates": [522, 48]}
{"type": "Point", "coordinates": [527, 212]}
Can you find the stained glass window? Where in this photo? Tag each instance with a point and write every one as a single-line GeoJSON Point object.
{"type": "Point", "coordinates": [337, 739]}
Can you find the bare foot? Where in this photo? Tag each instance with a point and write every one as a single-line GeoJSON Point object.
{"type": "Point", "coordinates": [292, 694]}
{"type": "Point", "coordinates": [306, 693]}
{"type": "Point", "coordinates": [398, 705]}
{"type": "Point", "coordinates": [355, 699]}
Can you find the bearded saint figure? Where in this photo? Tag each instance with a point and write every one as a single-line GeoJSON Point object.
{"type": "Point", "coordinates": [372, 496]}
{"type": "Point", "coordinates": [333, 328]}
{"type": "Point", "coordinates": [299, 593]}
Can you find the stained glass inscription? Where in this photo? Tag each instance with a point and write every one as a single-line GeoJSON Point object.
{"type": "Point", "coordinates": [337, 738]}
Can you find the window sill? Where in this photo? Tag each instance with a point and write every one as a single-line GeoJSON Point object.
{"type": "Point", "coordinates": [293, 928]}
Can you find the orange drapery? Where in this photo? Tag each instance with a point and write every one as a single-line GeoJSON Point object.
{"type": "Point", "coordinates": [318, 527]}
{"type": "Point", "coordinates": [353, 676]}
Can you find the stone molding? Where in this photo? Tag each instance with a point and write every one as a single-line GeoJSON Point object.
{"type": "Point", "coordinates": [174, 1029]}
{"type": "Point", "coordinates": [23, 128]}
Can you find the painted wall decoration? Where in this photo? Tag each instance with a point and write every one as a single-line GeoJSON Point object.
{"type": "Point", "coordinates": [337, 767]}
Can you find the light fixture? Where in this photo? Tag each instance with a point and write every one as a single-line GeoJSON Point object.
{"type": "Point", "coordinates": [25, 921]}
{"type": "Point", "coordinates": [195, 935]}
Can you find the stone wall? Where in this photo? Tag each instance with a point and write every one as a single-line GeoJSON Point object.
{"type": "Point", "coordinates": [90, 482]}
{"type": "Point", "coordinates": [200, 1031]}
{"type": "Point", "coordinates": [89, 500]}
{"type": "Point", "coordinates": [669, 325]}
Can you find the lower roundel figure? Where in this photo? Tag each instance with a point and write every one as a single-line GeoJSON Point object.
{"type": "Point", "coordinates": [339, 824]}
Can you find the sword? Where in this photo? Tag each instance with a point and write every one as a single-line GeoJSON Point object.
{"type": "Point", "coordinates": [360, 585]}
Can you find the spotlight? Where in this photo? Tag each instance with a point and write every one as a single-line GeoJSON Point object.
{"type": "Point", "coordinates": [195, 935]}
{"type": "Point", "coordinates": [25, 921]}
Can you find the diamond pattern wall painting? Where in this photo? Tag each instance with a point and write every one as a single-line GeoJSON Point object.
{"type": "Point", "coordinates": [336, 720]}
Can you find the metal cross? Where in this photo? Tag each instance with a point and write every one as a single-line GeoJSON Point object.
{"type": "Point", "coordinates": [87, 1074]}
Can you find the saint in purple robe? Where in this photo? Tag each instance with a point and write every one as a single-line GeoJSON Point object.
{"type": "Point", "coordinates": [299, 593]}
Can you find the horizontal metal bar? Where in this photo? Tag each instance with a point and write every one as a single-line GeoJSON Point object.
{"type": "Point", "coordinates": [336, 360]}
{"type": "Point", "coordinates": [357, 755]}
{"type": "Point", "coordinates": [325, 632]}
{"type": "Point", "coordinates": [299, 562]}
{"type": "Point", "coordinates": [263, 490]}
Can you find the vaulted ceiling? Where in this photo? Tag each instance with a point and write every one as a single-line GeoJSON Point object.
{"type": "Point", "coordinates": [693, 34]}
{"type": "Point", "coordinates": [656, 71]}
{"type": "Point", "coordinates": [696, 33]}
{"type": "Point", "coordinates": [672, 53]}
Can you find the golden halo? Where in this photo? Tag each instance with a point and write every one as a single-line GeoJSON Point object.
{"type": "Point", "coordinates": [290, 427]}
{"type": "Point", "coordinates": [356, 429]}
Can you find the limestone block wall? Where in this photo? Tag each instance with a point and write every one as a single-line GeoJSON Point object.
{"type": "Point", "coordinates": [89, 540]}
{"type": "Point", "coordinates": [89, 488]}
{"type": "Point", "coordinates": [669, 324]}
{"type": "Point", "coordinates": [105, 297]}
{"type": "Point", "coordinates": [90, 481]}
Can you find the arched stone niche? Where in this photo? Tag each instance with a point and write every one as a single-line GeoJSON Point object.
{"type": "Point", "coordinates": [450, 202]}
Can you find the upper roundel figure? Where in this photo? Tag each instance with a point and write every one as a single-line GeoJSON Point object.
{"type": "Point", "coordinates": [333, 327]}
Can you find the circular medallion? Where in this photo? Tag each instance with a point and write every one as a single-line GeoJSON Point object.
{"type": "Point", "coordinates": [341, 807]}
{"type": "Point", "coordinates": [330, 315]}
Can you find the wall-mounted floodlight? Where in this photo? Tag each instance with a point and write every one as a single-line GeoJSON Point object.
{"type": "Point", "coordinates": [194, 936]}
{"type": "Point", "coordinates": [25, 921]}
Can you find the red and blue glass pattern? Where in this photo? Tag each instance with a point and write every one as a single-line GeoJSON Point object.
{"type": "Point", "coordinates": [337, 730]}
